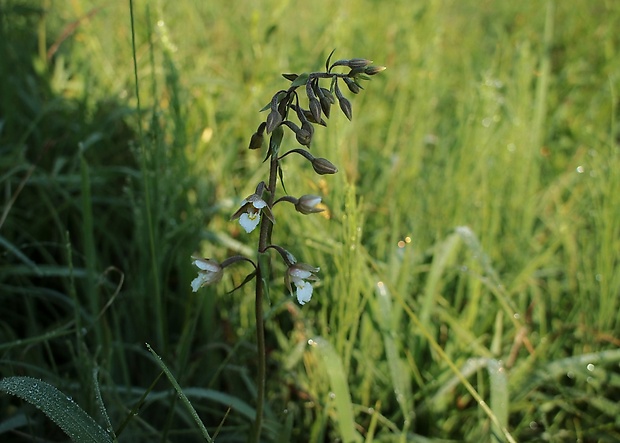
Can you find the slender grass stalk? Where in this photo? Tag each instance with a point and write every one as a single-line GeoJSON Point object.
{"type": "Point", "coordinates": [157, 302]}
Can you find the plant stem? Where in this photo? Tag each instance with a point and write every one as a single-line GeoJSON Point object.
{"type": "Point", "coordinates": [263, 242]}
{"type": "Point", "coordinates": [260, 336]}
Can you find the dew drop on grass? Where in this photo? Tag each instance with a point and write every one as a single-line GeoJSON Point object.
{"type": "Point", "coordinates": [332, 395]}
{"type": "Point", "coordinates": [590, 367]}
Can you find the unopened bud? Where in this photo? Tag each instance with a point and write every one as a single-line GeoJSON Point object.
{"type": "Point", "coordinates": [256, 142]}
{"type": "Point", "coordinates": [303, 137]}
{"type": "Point", "coordinates": [306, 204]}
{"type": "Point", "coordinates": [274, 119]}
{"type": "Point", "coordinates": [372, 70]}
{"type": "Point", "coordinates": [345, 105]}
{"type": "Point", "coordinates": [358, 63]}
{"type": "Point", "coordinates": [322, 166]}
{"type": "Point", "coordinates": [353, 86]}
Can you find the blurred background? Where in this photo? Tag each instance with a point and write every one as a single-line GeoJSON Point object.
{"type": "Point", "coordinates": [470, 249]}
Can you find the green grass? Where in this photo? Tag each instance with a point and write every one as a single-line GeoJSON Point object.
{"type": "Point", "coordinates": [470, 263]}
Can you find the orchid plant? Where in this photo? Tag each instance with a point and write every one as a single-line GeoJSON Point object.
{"type": "Point", "coordinates": [257, 210]}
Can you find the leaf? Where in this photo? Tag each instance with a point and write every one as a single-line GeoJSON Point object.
{"type": "Point", "coordinates": [248, 278]}
{"type": "Point", "coordinates": [328, 59]}
{"type": "Point", "coordinates": [290, 77]}
{"type": "Point", "coordinates": [340, 388]}
{"type": "Point", "coordinates": [62, 410]}
{"type": "Point", "coordinates": [300, 80]}
{"type": "Point", "coordinates": [180, 393]}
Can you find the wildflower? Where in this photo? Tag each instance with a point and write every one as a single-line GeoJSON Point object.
{"type": "Point", "coordinates": [249, 212]}
{"type": "Point", "coordinates": [301, 274]}
{"type": "Point", "coordinates": [307, 204]}
{"type": "Point", "coordinates": [209, 271]}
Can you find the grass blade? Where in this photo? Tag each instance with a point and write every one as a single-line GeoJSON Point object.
{"type": "Point", "coordinates": [62, 410]}
{"type": "Point", "coordinates": [180, 393]}
{"type": "Point", "coordinates": [340, 387]}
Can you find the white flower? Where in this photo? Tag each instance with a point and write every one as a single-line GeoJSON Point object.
{"type": "Point", "coordinates": [250, 211]}
{"type": "Point", "coordinates": [301, 274]}
{"type": "Point", "coordinates": [209, 271]}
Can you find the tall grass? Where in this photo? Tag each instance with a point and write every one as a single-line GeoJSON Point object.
{"type": "Point", "coordinates": [470, 257]}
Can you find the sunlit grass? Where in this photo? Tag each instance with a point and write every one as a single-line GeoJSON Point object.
{"type": "Point", "coordinates": [473, 230]}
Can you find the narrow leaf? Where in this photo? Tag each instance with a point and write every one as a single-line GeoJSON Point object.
{"type": "Point", "coordinates": [62, 410]}
{"type": "Point", "coordinates": [180, 393]}
{"type": "Point", "coordinates": [339, 387]}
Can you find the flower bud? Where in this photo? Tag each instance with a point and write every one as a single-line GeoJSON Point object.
{"type": "Point", "coordinates": [314, 103]}
{"type": "Point", "coordinates": [372, 70]}
{"type": "Point", "coordinates": [353, 86]}
{"type": "Point", "coordinates": [306, 204]}
{"type": "Point", "coordinates": [322, 166]}
{"type": "Point", "coordinates": [345, 105]}
{"type": "Point", "coordinates": [274, 119]}
{"type": "Point", "coordinates": [358, 63]}
{"type": "Point", "coordinates": [256, 142]}
{"type": "Point", "coordinates": [303, 137]}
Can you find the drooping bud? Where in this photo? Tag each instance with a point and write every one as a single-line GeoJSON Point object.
{"type": "Point", "coordinates": [308, 115]}
{"type": "Point", "coordinates": [327, 100]}
{"type": "Point", "coordinates": [274, 119]}
{"type": "Point", "coordinates": [257, 140]}
{"type": "Point", "coordinates": [307, 127]}
{"type": "Point", "coordinates": [353, 86]}
{"type": "Point", "coordinates": [322, 166]}
{"type": "Point", "coordinates": [345, 105]}
{"type": "Point", "coordinates": [328, 95]}
{"type": "Point", "coordinates": [303, 136]}
{"type": "Point", "coordinates": [313, 103]}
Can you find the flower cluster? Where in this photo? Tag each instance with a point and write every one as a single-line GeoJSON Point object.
{"type": "Point", "coordinates": [286, 111]}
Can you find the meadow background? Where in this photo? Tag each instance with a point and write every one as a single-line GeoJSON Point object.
{"type": "Point", "coordinates": [470, 257]}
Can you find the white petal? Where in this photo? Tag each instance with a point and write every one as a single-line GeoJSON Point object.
{"type": "Point", "coordinates": [249, 222]}
{"type": "Point", "coordinates": [207, 265]}
{"type": "Point", "coordinates": [297, 273]}
{"type": "Point", "coordinates": [259, 204]}
{"type": "Point", "coordinates": [199, 281]}
{"type": "Point", "coordinates": [304, 292]}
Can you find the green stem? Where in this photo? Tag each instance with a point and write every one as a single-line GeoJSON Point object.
{"type": "Point", "coordinates": [262, 274]}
